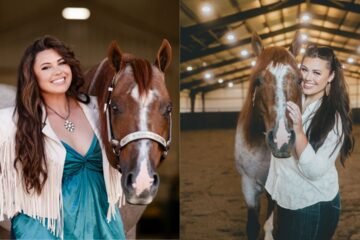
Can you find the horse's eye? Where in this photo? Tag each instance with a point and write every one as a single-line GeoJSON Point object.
{"type": "Point", "coordinates": [258, 81]}
{"type": "Point", "coordinates": [299, 80]}
{"type": "Point", "coordinates": [167, 109]}
{"type": "Point", "coordinates": [115, 107]}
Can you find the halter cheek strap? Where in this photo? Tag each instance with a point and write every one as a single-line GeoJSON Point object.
{"type": "Point", "coordinates": [254, 96]}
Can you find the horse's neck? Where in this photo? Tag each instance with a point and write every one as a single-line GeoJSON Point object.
{"type": "Point", "coordinates": [97, 81]}
{"type": "Point", "coordinates": [253, 127]}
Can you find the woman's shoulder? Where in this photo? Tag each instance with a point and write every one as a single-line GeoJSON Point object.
{"type": "Point", "coordinates": [8, 122]}
{"type": "Point", "coordinates": [7, 115]}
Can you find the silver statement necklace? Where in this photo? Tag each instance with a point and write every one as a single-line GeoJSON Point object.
{"type": "Point", "coordinates": [69, 125]}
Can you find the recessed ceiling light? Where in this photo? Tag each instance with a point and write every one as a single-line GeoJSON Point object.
{"type": "Point", "coordinates": [220, 80]}
{"type": "Point", "coordinates": [230, 37]}
{"type": "Point", "coordinates": [304, 37]}
{"type": "Point", "coordinates": [350, 60]}
{"type": "Point", "coordinates": [230, 84]}
{"type": "Point", "coordinates": [244, 53]}
{"type": "Point", "coordinates": [207, 75]}
{"type": "Point", "coordinates": [189, 68]}
{"type": "Point", "coordinates": [305, 18]}
{"type": "Point", "coordinates": [253, 63]}
{"type": "Point", "coordinates": [72, 13]}
{"type": "Point", "coordinates": [206, 9]}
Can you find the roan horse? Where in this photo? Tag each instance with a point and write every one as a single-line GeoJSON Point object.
{"type": "Point", "coordinates": [135, 115]}
{"type": "Point", "coordinates": [264, 127]}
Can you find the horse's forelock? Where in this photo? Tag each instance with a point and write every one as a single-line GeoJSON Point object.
{"type": "Point", "coordinates": [142, 72]}
{"type": "Point", "coordinates": [275, 55]}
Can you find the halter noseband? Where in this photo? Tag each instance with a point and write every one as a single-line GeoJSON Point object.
{"type": "Point", "coordinates": [116, 144]}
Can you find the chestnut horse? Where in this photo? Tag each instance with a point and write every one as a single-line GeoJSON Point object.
{"type": "Point", "coordinates": [264, 127]}
{"type": "Point", "coordinates": [135, 117]}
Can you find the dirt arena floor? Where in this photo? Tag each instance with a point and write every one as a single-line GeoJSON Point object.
{"type": "Point", "coordinates": [211, 202]}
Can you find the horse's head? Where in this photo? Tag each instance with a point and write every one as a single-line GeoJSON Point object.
{"type": "Point", "coordinates": [274, 81]}
{"type": "Point", "coordinates": [138, 120]}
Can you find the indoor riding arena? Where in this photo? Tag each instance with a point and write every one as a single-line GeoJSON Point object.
{"type": "Point", "coordinates": [216, 61]}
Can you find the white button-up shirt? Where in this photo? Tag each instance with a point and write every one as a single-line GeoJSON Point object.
{"type": "Point", "coordinates": [297, 183]}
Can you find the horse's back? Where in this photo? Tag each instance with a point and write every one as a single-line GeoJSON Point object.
{"type": "Point", "coordinates": [7, 95]}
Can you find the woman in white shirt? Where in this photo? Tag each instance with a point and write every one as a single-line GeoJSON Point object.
{"type": "Point", "coordinates": [305, 186]}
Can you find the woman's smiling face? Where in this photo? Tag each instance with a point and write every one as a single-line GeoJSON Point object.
{"type": "Point", "coordinates": [316, 75]}
{"type": "Point", "coordinates": [53, 74]}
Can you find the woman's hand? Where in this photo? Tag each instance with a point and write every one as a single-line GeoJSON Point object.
{"type": "Point", "coordinates": [301, 140]}
{"type": "Point", "coordinates": [295, 115]}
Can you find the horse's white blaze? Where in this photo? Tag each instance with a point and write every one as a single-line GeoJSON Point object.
{"type": "Point", "coordinates": [268, 227]}
{"type": "Point", "coordinates": [143, 181]}
{"type": "Point", "coordinates": [279, 71]}
{"type": "Point", "coordinates": [282, 136]}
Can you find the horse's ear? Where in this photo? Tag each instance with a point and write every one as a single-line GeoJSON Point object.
{"type": "Point", "coordinates": [114, 56]}
{"type": "Point", "coordinates": [296, 44]}
{"type": "Point", "coordinates": [164, 55]}
{"type": "Point", "coordinates": [256, 44]}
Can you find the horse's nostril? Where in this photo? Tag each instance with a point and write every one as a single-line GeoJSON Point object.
{"type": "Point", "coordinates": [129, 180]}
{"type": "Point", "coordinates": [156, 180]}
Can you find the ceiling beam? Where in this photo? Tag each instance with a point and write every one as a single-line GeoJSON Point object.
{"type": "Point", "coordinates": [237, 17]}
{"type": "Point", "coordinates": [215, 86]}
{"type": "Point", "coordinates": [195, 82]}
{"type": "Point", "coordinates": [244, 78]}
{"type": "Point", "coordinates": [342, 5]}
{"type": "Point", "coordinates": [211, 66]}
{"type": "Point", "coordinates": [223, 47]}
{"type": "Point", "coordinates": [245, 15]}
{"type": "Point", "coordinates": [184, 75]}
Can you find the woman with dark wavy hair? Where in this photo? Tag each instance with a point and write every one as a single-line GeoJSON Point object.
{"type": "Point", "coordinates": [305, 186]}
{"type": "Point", "coordinates": [53, 169]}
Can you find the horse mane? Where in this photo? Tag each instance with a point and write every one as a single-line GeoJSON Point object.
{"type": "Point", "coordinates": [253, 125]}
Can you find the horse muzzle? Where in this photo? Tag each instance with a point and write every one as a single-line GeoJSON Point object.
{"type": "Point", "coordinates": [140, 190]}
{"type": "Point", "coordinates": [284, 149]}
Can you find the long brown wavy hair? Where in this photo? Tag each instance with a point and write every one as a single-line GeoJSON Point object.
{"type": "Point", "coordinates": [335, 104]}
{"type": "Point", "coordinates": [30, 144]}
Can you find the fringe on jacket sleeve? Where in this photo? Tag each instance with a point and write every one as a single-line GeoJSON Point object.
{"type": "Point", "coordinates": [46, 207]}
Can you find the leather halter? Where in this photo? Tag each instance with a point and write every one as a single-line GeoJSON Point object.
{"type": "Point", "coordinates": [116, 144]}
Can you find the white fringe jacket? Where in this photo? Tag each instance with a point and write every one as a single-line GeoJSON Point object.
{"type": "Point", "coordinates": [47, 205]}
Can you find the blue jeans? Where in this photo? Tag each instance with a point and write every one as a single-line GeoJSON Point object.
{"type": "Point", "coordinates": [316, 222]}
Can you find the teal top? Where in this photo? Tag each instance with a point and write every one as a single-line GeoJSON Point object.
{"type": "Point", "coordinates": [85, 202]}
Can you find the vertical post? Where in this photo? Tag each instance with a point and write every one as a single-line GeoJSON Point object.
{"type": "Point", "coordinates": [192, 100]}
{"type": "Point", "coordinates": [203, 101]}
